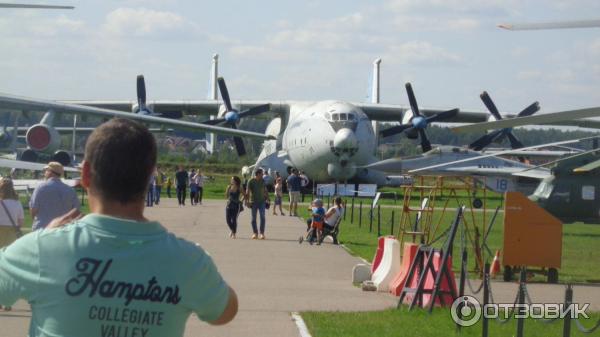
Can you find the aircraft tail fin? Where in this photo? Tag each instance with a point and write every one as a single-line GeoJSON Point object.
{"type": "Point", "coordinates": [214, 73]}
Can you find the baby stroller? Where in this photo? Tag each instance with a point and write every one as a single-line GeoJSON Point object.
{"type": "Point", "coordinates": [328, 230]}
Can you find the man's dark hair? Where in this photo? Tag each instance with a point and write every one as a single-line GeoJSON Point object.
{"type": "Point", "coordinates": [259, 171]}
{"type": "Point", "coordinates": [122, 156]}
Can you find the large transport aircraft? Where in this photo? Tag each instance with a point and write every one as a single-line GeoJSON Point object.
{"type": "Point", "coordinates": [331, 140]}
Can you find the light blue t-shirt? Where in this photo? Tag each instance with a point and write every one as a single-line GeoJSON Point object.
{"type": "Point", "coordinates": [52, 199]}
{"type": "Point", "coordinates": [103, 276]}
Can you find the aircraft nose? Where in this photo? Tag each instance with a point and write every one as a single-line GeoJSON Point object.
{"type": "Point", "coordinates": [345, 141]}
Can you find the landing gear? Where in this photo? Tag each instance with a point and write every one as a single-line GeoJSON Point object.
{"type": "Point", "coordinates": [552, 275]}
{"type": "Point", "coordinates": [508, 274]}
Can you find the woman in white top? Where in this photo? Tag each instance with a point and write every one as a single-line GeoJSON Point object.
{"type": "Point", "coordinates": [11, 215]}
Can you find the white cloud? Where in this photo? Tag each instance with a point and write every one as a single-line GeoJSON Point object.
{"type": "Point", "coordinates": [421, 53]}
{"type": "Point", "coordinates": [142, 22]}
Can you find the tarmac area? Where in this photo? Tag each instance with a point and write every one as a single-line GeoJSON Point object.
{"type": "Point", "coordinates": [277, 276]}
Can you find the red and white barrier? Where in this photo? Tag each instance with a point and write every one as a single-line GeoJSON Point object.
{"type": "Point", "coordinates": [389, 264]}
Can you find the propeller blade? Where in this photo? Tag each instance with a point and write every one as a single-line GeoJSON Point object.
{"type": "Point", "coordinates": [515, 143]}
{"type": "Point", "coordinates": [530, 110]}
{"type": "Point", "coordinates": [141, 91]}
{"type": "Point", "coordinates": [255, 111]}
{"type": "Point", "coordinates": [425, 144]}
{"type": "Point", "coordinates": [485, 140]}
{"type": "Point", "coordinates": [224, 93]}
{"type": "Point", "coordinates": [239, 143]}
{"type": "Point", "coordinates": [412, 100]}
{"type": "Point", "coordinates": [442, 115]}
{"type": "Point", "coordinates": [394, 130]}
{"type": "Point", "coordinates": [487, 100]}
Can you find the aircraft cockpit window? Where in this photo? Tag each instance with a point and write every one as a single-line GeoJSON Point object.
{"type": "Point", "coordinates": [351, 117]}
{"type": "Point", "coordinates": [328, 116]}
{"type": "Point", "coordinates": [336, 117]}
{"type": "Point", "coordinates": [343, 117]}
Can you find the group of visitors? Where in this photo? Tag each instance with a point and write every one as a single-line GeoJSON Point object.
{"type": "Point", "coordinates": [70, 268]}
{"type": "Point", "coordinates": [195, 180]}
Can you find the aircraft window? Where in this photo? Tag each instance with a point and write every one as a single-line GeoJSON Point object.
{"type": "Point", "coordinates": [351, 117]}
{"type": "Point", "coordinates": [588, 192]}
{"type": "Point", "coordinates": [343, 117]}
{"type": "Point", "coordinates": [336, 117]}
{"type": "Point", "coordinates": [328, 116]}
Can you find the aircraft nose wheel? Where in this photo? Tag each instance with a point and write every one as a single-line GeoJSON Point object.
{"type": "Point", "coordinates": [477, 203]}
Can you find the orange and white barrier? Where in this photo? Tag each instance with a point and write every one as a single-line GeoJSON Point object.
{"type": "Point", "coordinates": [397, 283]}
{"type": "Point", "coordinates": [389, 265]}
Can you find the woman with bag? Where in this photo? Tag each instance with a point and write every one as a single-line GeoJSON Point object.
{"type": "Point", "coordinates": [234, 204]}
{"type": "Point", "coordinates": [11, 215]}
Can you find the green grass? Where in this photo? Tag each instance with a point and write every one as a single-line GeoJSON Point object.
{"type": "Point", "coordinates": [397, 323]}
{"type": "Point", "coordinates": [580, 259]}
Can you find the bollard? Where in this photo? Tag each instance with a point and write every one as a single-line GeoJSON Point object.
{"type": "Point", "coordinates": [521, 321]}
{"type": "Point", "coordinates": [393, 216]}
{"type": "Point", "coordinates": [486, 298]}
{"type": "Point", "coordinates": [345, 209]}
{"type": "Point", "coordinates": [360, 214]}
{"type": "Point", "coordinates": [567, 319]}
{"type": "Point", "coordinates": [378, 220]}
{"type": "Point", "coordinates": [371, 219]}
{"type": "Point", "coordinates": [352, 212]}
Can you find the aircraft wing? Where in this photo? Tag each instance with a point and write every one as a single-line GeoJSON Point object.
{"type": "Point", "coordinates": [25, 165]}
{"type": "Point", "coordinates": [556, 118]}
{"type": "Point", "coordinates": [23, 103]}
{"type": "Point", "coordinates": [551, 25]}
{"type": "Point", "coordinates": [515, 152]}
{"type": "Point", "coordinates": [493, 171]}
{"type": "Point", "coordinates": [31, 184]}
{"type": "Point", "coordinates": [394, 113]}
{"type": "Point", "coordinates": [186, 107]}
{"type": "Point", "coordinates": [588, 167]}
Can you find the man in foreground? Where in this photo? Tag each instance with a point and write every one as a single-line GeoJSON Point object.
{"type": "Point", "coordinates": [113, 272]}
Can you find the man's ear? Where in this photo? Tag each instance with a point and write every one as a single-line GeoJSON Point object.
{"type": "Point", "coordinates": [86, 174]}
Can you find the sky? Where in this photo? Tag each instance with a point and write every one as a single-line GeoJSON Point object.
{"type": "Point", "coordinates": [450, 50]}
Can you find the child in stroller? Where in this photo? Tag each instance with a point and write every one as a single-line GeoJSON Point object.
{"type": "Point", "coordinates": [332, 218]}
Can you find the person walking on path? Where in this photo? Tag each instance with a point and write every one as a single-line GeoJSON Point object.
{"type": "Point", "coordinates": [294, 185]}
{"type": "Point", "coordinates": [258, 197]}
{"type": "Point", "coordinates": [52, 198]}
{"type": "Point", "coordinates": [200, 179]}
{"type": "Point", "coordinates": [169, 184]}
{"type": "Point", "coordinates": [193, 187]}
{"type": "Point", "coordinates": [158, 184]}
{"type": "Point", "coordinates": [11, 216]}
{"type": "Point", "coordinates": [181, 182]}
{"type": "Point", "coordinates": [234, 204]}
{"type": "Point", "coordinates": [114, 272]}
{"type": "Point", "coordinates": [278, 194]}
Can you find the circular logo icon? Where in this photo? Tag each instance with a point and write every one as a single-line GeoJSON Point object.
{"type": "Point", "coordinates": [465, 311]}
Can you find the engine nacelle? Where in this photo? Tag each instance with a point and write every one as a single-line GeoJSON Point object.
{"type": "Point", "coordinates": [62, 157]}
{"type": "Point", "coordinates": [43, 138]}
{"type": "Point", "coordinates": [29, 155]}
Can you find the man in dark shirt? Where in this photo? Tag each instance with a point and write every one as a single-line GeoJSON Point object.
{"type": "Point", "coordinates": [181, 181]}
{"type": "Point", "coordinates": [257, 194]}
{"type": "Point", "coordinates": [294, 184]}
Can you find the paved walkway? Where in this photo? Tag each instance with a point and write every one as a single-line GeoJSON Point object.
{"type": "Point", "coordinates": [277, 276]}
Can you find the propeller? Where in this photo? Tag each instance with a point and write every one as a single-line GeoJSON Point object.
{"type": "Point", "coordinates": [487, 139]}
{"type": "Point", "coordinates": [143, 107]}
{"type": "Point", "coordinates": [418, 122]}
{"type": "Point", "coordinates": [232, 116]}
